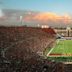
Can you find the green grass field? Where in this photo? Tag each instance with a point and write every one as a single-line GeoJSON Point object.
{"type": "Point", "coordinates": [62, 50]}
{"type": "Point", "coordinates": [63, 47]}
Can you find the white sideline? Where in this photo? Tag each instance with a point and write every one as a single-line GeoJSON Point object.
{"type": "Point", "coordinates": [50, 51]}
{"type": "Point", "coordinates": [52, 48]}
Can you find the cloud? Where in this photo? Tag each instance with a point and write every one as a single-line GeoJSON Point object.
{"type": "Point", "coordinates": [66, 18]}
{"type": "Point", "coordinates": [27, 18]}
{"type": "Point", "coordinates": [48, 17]}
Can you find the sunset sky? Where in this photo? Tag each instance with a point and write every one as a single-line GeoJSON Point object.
{"type": "Point", "coordinates": [57, 6]}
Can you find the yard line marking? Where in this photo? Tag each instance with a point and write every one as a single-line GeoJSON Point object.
{"type": "Point", "coordinates": [58, 41]}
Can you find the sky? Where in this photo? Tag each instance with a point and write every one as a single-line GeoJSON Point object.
{"type": "Point", "coordinates": [56, 6]}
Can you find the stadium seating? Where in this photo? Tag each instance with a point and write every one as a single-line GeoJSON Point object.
{"type": "Point", "coordinates": [19, 47]}
{"type": "Point", "coordinates": [32, 39]}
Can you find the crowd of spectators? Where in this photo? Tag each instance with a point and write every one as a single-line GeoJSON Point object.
{"type": "Point", "coordinates": [18, 40]}
{"type": "Point", "coordinates": [19, 47]}
{"type": "Point", "coordinates": [31, 65]}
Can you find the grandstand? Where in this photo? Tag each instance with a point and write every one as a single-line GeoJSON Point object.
{"type": "Point", "coordinates": [25, 49]}
{"type": "Point", "coordinates": [20, 47]}
{"type": "Point", "coordinates": [32, 37]}
{"type": "Point", "coordinates": [66, 32]}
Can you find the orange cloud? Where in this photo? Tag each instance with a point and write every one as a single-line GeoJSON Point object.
{"type": "Point", "coordinates": [27, 19]}
{"type": "Point", "coordinates": [66, 19]}
{"type": "Point", "coordinates": [45, 17]}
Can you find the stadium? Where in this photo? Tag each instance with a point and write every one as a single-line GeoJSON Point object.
{"type": "Point", "coordinates": [44, 46]}
{"type": "Point", "coordinates": [37, 38]}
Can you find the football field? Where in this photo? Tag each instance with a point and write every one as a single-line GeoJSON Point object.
{"type": "Point", "coordinates": [62, 48]}
{"type": "Point", "coordinates": [62, 51]}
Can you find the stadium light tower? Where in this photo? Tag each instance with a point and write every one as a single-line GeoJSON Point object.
{"type": "Point", "coordinates": [1, 13]}
{"type": "Point", "coordinates": [68, 31]}
{"type": "Point", "coordinates": [21, 19]}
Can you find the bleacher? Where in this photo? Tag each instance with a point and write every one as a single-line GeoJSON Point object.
{"type": "Point", "coordinates": [19, 47]}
